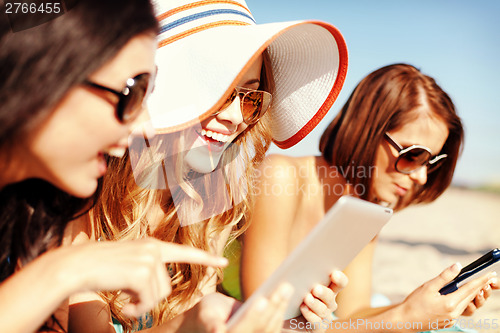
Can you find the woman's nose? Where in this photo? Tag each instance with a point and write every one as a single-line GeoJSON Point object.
{"type": "Point", "coordinates": [419, 176]}
{"type": "Point", "coordinates": [232, 113]}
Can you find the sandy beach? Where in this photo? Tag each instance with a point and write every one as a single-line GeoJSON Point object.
{"type": "Point", "coordinates": [419, 242]}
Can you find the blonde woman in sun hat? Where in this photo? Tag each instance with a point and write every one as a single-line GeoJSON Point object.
{"type": "Point", "coordinates": [238, 86]}
{"type": "Point", "coordinates": [408, 141]}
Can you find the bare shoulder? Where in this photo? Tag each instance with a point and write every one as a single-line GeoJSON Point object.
{"type": "Point", "coordinates": [278, 168]}
{"type": "Point", "coordinates": [276, 187]}
{"type": "Point", "coordinates": [277, 161]}
{"type": "Point", "coordinates": [283, 183]}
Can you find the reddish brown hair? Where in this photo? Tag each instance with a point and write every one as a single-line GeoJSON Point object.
{"type": "Point", "coordinates": [384, 101]}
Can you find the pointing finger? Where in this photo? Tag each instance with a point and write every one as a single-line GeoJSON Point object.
{"type": "Point", "coordinates": [187, 254]}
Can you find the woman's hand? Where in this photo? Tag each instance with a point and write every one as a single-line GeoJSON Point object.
{"type": "Point", "coordinates": [480, 299]}
{"type": "Point", "coordinates": [137, 267]}
{"type": "Point", "coordinates": [214, 310]}
{"type": "Point", "coordinates": [319, 305]}
{"type": "Point", "coordinates": [427, 306]}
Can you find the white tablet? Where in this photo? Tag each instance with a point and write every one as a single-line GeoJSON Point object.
{"type": "Point", "coordinates": [333, 243]}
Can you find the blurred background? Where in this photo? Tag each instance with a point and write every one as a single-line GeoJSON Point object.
{"type": "Point", "coordinates": [456, 42]}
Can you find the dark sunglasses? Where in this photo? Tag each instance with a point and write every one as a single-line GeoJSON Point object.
{"type": "Point", "coordinates": [254, 103]}
{"type": "Point", "coordinates": [415, 157]}
{"type": "Point", "coordinates": [131, 97]}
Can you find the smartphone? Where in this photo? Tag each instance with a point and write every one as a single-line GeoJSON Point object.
{"type": "Point", "coordinates": [485, 261]}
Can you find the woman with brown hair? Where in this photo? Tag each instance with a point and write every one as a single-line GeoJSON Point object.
{"type": "Point", "coordinates": [395, 142]}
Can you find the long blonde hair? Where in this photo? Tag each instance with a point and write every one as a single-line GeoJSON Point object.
{"type": "Point", "coordinates": [123, 207]}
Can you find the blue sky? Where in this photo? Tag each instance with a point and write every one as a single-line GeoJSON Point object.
{"type": "Point", "coordinates": [456, 42]}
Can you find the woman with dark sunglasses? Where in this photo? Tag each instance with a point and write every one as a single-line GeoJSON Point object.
{"type": "Point", "coordinates": [395, 142]}
{"type": "Point", "coordinates": [55, 130]}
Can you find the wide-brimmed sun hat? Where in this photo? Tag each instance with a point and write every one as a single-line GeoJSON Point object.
{"type": "Point", "coordinates": [206, 46]}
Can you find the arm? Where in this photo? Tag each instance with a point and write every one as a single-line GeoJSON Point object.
{"type": "Point", "coordinates": [270, 226]}
{"type": "Point", "coordinates": [212, 312]}
{"type": "Point", "coordinates": [32, 294]}
{"type": "Point", "coordinates": [90, 313]}
{"type": "Point", "coordinates": [424, 309]}
{"type": "Point", "coordinates": [31, 283]}
{"type": "Point", "coordinates": [274, 217]}
{"type": "Point", "coordinates": [87, 307]}
{"type": "Point", "coordinates": [425, 304]}
{"type": "Point", "coordinates": [136, 266]}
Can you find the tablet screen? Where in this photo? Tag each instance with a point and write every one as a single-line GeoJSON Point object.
{"type": "Point", "coordinates": [333, 243]}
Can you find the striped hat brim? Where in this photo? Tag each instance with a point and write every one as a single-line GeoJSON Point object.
{"type": "Point", "coordinates": [206, 46]}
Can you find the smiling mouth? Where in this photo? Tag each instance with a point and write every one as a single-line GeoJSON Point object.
{"type": "Point", "coordinates": [115, 151]}
{"type": "Point", "coordinates": [217, 139]}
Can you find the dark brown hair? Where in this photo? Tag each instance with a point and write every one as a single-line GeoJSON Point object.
{"type": "Point", "coordinates": [384, 101]}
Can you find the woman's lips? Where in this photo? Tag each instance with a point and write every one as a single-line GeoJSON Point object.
{"type": "Point", "coordinates": [210, 138]}
{"type": "Point", "coordinates": [102, 164]}
{"type": "Point", "coordinates": [217, 136]}
{"type": "Point", "coordinates": [401, 191]}
{"type": "Point", "coordinates": [102, 157]}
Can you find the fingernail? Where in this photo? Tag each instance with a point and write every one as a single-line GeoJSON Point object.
{"type": "Point", "coordinates": [261, 304]}
{"type": "Point", "coordinates": [223, 261]}
{"type": "Point", "coordinates": [481, 293]}
{"type": "Point", "coordinates": [493, 281]}
{"type": "Point", "coordinates": [317, 290]}
{"type": "Point", "coordinates": [456, 267]}
{"type": "Point", "coordinates": [286, 291]}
